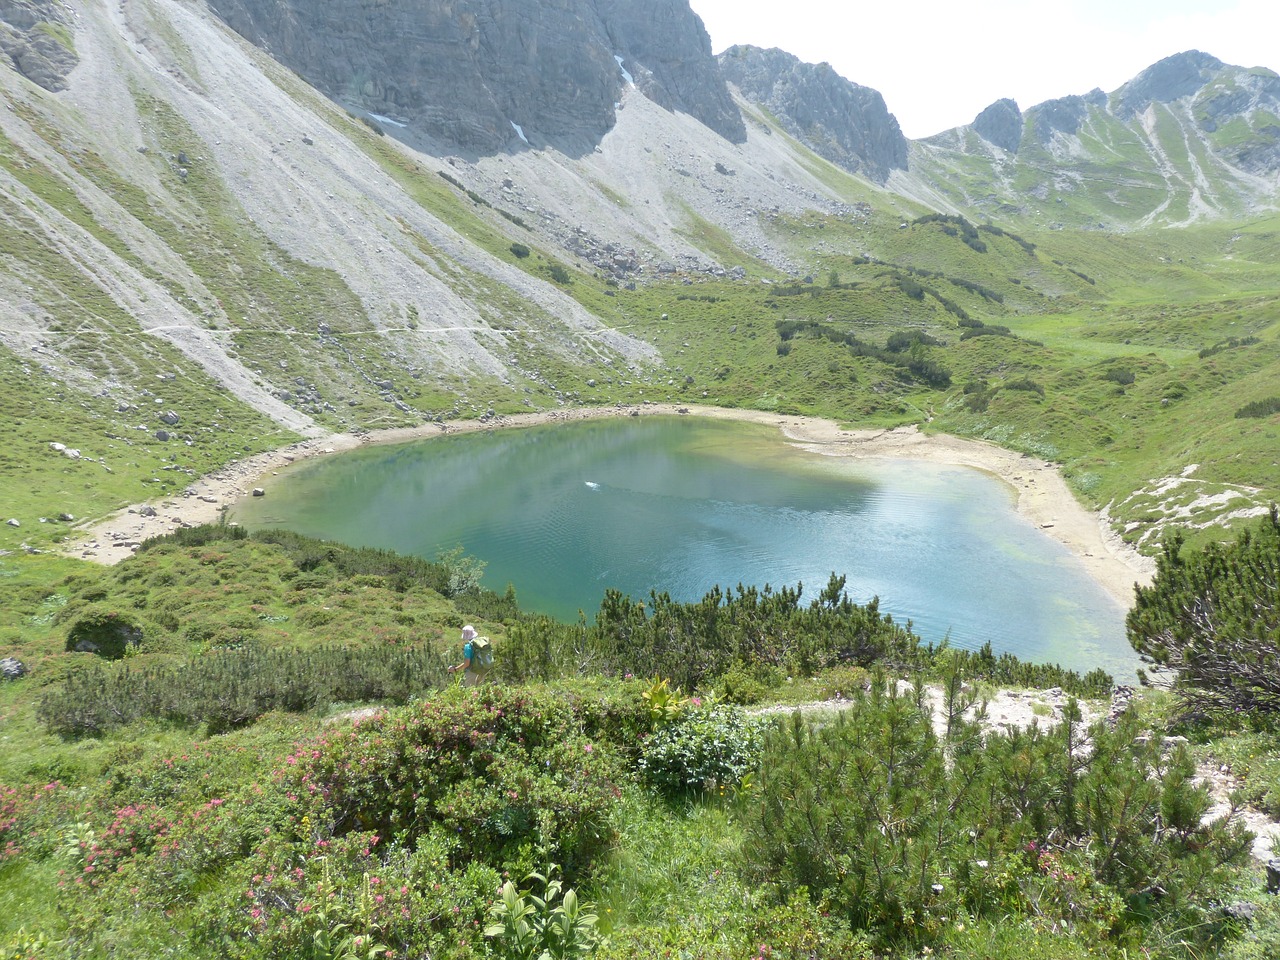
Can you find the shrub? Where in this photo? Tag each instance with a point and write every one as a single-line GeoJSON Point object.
{"type": "Point", "coordinates": [107, 631]}
{"type": "Point", "coordinates": [1259, 408]}
{"type": "Point", "coordinates": [520, 250]}
{"type": "Point", "coordinates": [702, 750]}
{"type": "Point", "coordinates": [1026, 384]}
{"type": "Point", "coordinates": [895, 828]}
{"type": "Point", "coordinates": [232, 688]}
{"type": "Point", "coordinates": [986, 330]}
{"type": "Point", "coordinates": [495, 771]}
{"type": "Point", "coordinates": [559, 274]}
{"type": "Point", "coordinates": [1214, 616]}
{"type": "Point", "coordinates": [1120, 375]}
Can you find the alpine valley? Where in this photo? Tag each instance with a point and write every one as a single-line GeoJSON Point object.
{"type": "Point", "coordinates": [230, 226]}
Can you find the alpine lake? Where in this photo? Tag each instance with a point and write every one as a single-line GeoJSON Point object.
{"type": "Point", "coordinates": [682, 504]}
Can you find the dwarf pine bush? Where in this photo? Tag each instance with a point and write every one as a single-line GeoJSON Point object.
{"type": "Point", "coordinates": [897, 829]}
{"type": "Point", "coordinates": [1214, 616]}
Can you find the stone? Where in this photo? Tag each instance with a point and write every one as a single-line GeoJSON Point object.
{"type": "Point", "coordinates": [1273, 875]}
{"type": "Point", "coordinates": [162, 435]}
{"type": "Point", "coordinates": [147, 511]}
{"type": "Point", "coordinates": [13, 522]}
{"type": "Point", "coordinates": [12, 668]}
{"type": "Point", "coordinates": [170, 418]}
{"type": "Point", "coordinates": [259, 492]}
{"type": "Point", "coordinates": [1241, 911]}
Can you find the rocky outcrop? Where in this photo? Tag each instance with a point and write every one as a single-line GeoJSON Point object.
{"type": "Point", "coordinates": [840, 120]}
{"type": "Point", "coordinates": [36, 38]}
{"type": "Point", "coordinates": [1064, 115]}
{"type": "Point", "coordinates": [482, 76]}
{"type": "Point", "coordinates": [1000, 124]}
{"type": "Point", "coordinates": [666, 50]}
{"type": "Point", "coordinates": [1173, 78]}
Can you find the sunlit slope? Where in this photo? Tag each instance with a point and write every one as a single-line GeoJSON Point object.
{"type": "Point", "coordinates": [1188, 140]}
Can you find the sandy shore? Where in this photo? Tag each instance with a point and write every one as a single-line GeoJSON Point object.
{"type": "Point", "coordinates": [1042, 494]}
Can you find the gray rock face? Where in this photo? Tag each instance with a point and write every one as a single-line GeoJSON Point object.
{"type": "Point", "coordinates": [36, 38]}
{"type": "Point", "coordinates": [844, 122]}
{"type": "Point", "coordinates": [1000, 124]}
{"type": "Point", "coordinates": [1064, 115]}
{"type": "Point", "coordinates": [462, 75]}
{"type": "Point", "coordinates": [1171, 79]}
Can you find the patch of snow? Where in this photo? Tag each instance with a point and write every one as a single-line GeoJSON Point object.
{"type": "Point", "coordinates": [519, 131]}
{"type": "Point", "coordinates": [625, 75]}
{"type": "Point", "coordinates": [381, 119]}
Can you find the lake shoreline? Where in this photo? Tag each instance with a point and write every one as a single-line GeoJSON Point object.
{"type": "Point", "coordinates": [1042, 495]}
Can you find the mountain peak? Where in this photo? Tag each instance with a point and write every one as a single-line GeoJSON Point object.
{"type": "Point", "coordinates": [1000, 124]}
{"type": "Point", "coordinates": [843, 121]}
{"type": "Point", "coordinates": [1172, 78]}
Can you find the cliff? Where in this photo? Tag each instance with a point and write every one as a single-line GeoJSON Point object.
{"type": "Point", "coordinates": [847, 123]}
{"type": "Point", "coordinates": [481, 76]}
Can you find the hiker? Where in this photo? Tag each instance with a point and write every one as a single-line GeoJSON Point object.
{"type": "Point", "coordinates": [477, 657]}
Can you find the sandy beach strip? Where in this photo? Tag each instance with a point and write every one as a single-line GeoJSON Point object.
{"type": "Point", "coordinates": [1043, 497]}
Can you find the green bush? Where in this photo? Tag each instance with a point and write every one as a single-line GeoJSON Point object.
{"type": "Point", "coordinates": [520, 250]}
{"type": "Point", "coordinates": [108, 630]}
{"type": "Point", "coordinates": [704, 750]}
{"type": "Point", "coordinates": [1259, 408]}
{"type": "Point", "coordinates": [897, 829]}
{"type": "Point", "coordinates": [495, 770]}
{"type": "Point", "coordinates": [231, 688]}
{"type": "Point", "coordinates": [1120, 375]}
{"type": "Point", "coordinates": [1214, 616]}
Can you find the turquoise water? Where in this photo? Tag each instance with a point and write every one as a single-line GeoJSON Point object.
{"type": "Point", "coordinates": [683, 504]}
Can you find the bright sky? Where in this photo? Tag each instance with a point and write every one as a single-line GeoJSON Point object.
{"type": "Point", "coordinates": [938, 63]}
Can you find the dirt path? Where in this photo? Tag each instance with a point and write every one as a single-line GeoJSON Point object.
{"type": "Point", "coordinates": [1042, 495]}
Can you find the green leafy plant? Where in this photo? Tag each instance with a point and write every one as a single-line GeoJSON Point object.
{"type": "Point", "coordinates": [705, 749]}
{"type": "Point", "coordinates": [555, 925]}
{"type": "Point", "coordinates": [665, 704]}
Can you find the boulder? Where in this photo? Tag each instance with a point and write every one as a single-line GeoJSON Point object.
{"type": "Point", "coordinates": [12, 668]}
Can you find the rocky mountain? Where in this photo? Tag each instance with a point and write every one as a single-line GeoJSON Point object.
{"type": "Point", "coordinates": [1188, 139]}
{"type": "Point", "coordinates": [483, 76]}
{"type": "Point", "coordinates": [171, 196]}
{"type": "Point", "coordinates": [187, 208]}
{"type": "Point", "coordinates": [842, 121]}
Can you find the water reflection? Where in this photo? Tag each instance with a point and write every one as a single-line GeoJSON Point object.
{"type": "Point", "coordinates": [682, 505]}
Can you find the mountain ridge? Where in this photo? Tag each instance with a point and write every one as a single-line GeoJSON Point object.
{"type": "Point", "coordinates": [192, 230]}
